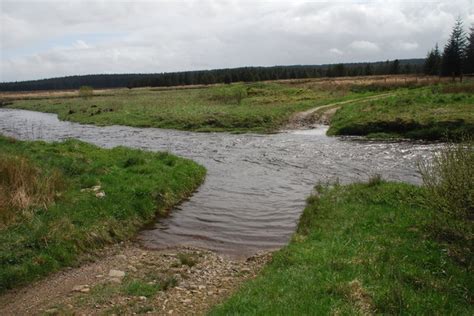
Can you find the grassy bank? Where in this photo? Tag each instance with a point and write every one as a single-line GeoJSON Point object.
{"type": "Point", "coordinates": [61, 200]}
{"type": "Point", "coordinates": [258, 107]}
{"type": "Point", "coordinates": [431, 113]}
{"type": "Point", "coordinates": [371, 248]}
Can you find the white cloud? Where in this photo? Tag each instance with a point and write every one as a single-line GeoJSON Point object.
{"type": "Point", "coordinates": [80, 44]}
{"type": "Point", "coordinates": [407, 46]}
{"type": "Point", "coordinates": [364, 47]}
{"type": "Point", "coordinates": [336, 51]}
{"type": "Point", "coordinates": [47, 38]}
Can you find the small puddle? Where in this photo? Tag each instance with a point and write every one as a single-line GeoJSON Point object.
{"type": "Point", "coordinates": [256, 185]}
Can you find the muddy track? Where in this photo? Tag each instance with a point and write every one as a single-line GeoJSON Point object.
{"type": "Point", "coordinates": [321, 115]}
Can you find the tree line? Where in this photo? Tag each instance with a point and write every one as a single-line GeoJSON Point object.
{"type": "Point", "coordinates": [457, 58]}
{"type": "Point", "coordinates": [243, 74]}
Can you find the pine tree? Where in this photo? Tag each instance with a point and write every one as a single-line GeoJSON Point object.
{"type": "Point", "coordinates": [368, 71]}
{"type": "Point", "coordinates": [469, 53]}
{"type": "Point", "coordinates": [453, 55]}
{"type": "Point", "coordinates": [395, 67]}
{"type": "Point", "coordinates": [433, 62]}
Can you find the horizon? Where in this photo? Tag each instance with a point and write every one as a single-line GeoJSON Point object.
{"type": "Point", "coordinates": [51, 39]}
{"type": "Point", "coordinates": [213, 69]}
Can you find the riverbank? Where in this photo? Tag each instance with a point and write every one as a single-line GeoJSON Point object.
{"type": "Point", "coordinates": [95, 197]}
{"type": "Point", "coordinates": [437, 112]}
{"type": "Point", "coordinates": [363, 249]}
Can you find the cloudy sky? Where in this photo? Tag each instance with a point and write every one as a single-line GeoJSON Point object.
{"type": "Point", "coordinates": [41, 39]}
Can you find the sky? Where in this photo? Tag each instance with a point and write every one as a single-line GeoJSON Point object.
{"type": "Point", "coordinates": [52, 38]}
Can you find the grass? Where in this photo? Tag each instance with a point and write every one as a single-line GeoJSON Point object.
{"type": "Point", "coordinates": [256, 107]}
{"type": "Point", "coordinates": [362, 249]}
{"type": "Point", "coordinates": [187, 259]}
{"type": "Point", "coordinates": [105, 196]}
{"type": "Point", "coordinates": [429, 108]}
{"type": "Point", "coordinates": [435, 112]}
{"type": "Point", "coordinates": [24, 187]}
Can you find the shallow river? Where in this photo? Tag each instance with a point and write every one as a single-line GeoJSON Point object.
{"type": "Point", "coordinates": [256, 185]}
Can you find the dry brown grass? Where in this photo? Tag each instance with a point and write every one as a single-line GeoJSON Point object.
{"type": "Point", "coordinates": [23, 187]}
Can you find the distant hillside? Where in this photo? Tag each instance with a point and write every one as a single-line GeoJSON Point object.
{"type": "Point", "coordinates": [247, 74]}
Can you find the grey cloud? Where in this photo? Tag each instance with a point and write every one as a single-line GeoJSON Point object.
{"type": "Point", "coordinates": [156, 36]}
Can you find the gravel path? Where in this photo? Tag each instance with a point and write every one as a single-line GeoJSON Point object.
{"type": "Point", "coordinates": [187, 281]}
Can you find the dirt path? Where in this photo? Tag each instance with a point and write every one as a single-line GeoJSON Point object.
{"type": "Point", "coordinates": [321, 115]}
{"type": "Point", "coordinates": [128, 279]}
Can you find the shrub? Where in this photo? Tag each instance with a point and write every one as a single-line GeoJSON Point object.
{"type": "Point", "coordinates": [449, 179]}
{"type": "Point", "coordinates": [230, 94]}
{"type": "Point", "coordinates": [86, 91]}
{"type": "Point", "coordinates": [449, 184]}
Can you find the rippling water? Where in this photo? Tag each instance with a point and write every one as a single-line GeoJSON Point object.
{"type": "Point", "coordinates": [256, 185]}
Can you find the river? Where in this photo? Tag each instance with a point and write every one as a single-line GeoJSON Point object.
{"type": "Point", "coordinates": [256, 185]}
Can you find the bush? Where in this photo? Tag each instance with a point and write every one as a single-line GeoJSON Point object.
{"type": "Point", "coordinates": [449, 184]}
{"type": "Point", "coordinates": [86, 91]}
{"type": "Point", "coordinates": [230, 94]}
{"type": "Point", "coordinates": [449, 179]}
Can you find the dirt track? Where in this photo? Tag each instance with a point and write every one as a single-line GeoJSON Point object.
{"type": "Point", "coordinates": [94, 289]}
{"type": "Point", "coordinates": [321, 115]}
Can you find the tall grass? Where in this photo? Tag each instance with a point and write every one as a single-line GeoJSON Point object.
{"type": "Point", "coordinates": [449, 183]}
{"type": "Point", "coordinates": [449, 178]}
{"type": "Point", "coordinates": [24, 186]}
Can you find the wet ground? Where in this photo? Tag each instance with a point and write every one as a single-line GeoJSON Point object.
{"type": "Point", "coordinates": [256, 185]}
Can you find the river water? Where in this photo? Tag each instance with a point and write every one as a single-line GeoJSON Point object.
{"type": "Point", "coordinates": [256, 185]}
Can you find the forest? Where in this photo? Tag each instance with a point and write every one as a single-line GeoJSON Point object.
{"type": "Point", "coordinates": [205, 77]}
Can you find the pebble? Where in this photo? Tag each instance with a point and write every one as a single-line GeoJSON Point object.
{"type": "Point", "coordinates": [81, 288]}
{"type": "Point", "coordinates": [116, 273]}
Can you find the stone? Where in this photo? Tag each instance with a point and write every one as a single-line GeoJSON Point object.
{"type": "Point", "coordinates": [116, 280]}
{"type": "Point", "coordinates": [100, 194]}
{"type": "Point", "coordinates": [81, 288]}
{"type": "Point", "coordinates": [116, 273]}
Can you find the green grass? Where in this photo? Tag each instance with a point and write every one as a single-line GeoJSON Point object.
{"type": "Point", "coordinates": [361, 249]}
{"type": "Point", "coordinates": [431, 113]}
{"type": "Point", "coordinates": [258, 107]}
{"type": "Point", "coordinates": [138, 185]}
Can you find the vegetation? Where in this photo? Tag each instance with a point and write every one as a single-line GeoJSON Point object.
{"type": "Point", "coordinates": [205, 77]}
{"type": "Point", "coordinates": [257, 107]}
{"type": "Point", "coordinates": [74, 198]}
{"type": "Point", "coordinates": [436, 112]}
{"type": "Point", "coordinates": [449, 182]}
{"type": "Point", "coordinates": [23, 187]}
{"type": "Point", "coordinates": [86, 92]}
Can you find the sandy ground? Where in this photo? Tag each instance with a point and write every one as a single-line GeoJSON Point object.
{"type": "Point", "coordinates": [191, 282]}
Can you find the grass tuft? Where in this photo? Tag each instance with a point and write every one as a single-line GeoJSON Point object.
{"type": "Point", "coordinates": [25, 187]}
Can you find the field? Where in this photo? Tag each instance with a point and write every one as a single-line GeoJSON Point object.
{"type": "Point", "coordinates": [62, 202]}
{"type": "Point", "coordinates": [431, 113]}
{"type": "Point", "coordinates": [256, 107]}
{"type": "Point", "coordinates": [363, 249]}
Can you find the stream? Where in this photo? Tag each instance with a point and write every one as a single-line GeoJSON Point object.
{"type": "Point", "coordinates": [256, 185]}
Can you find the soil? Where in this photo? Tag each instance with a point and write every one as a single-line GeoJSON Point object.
{"type": "Point", "coordinates": [186, 281]}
